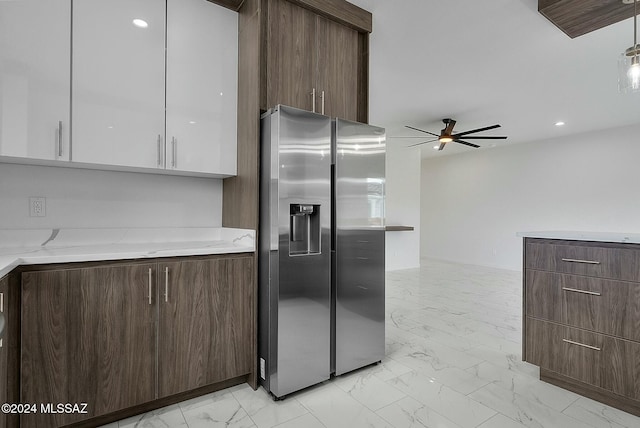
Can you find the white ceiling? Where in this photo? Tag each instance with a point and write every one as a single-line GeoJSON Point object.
{"type": "Point", "coordinates": [483, 62]}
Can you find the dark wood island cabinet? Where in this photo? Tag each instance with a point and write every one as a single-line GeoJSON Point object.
{"type": "Point", "coordinates": [582, 317]}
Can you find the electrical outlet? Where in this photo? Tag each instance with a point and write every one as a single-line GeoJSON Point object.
{"type": "Point", "coordinates": [37, 207]}
{"type": "Point", "coordinates": [263, 374]}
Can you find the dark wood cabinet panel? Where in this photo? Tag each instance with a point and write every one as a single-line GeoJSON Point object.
{"type": "Point", "coordinates": [4, 353]}
{"type": "Point", "coordinates": [337, 69]}
{"type": "Point", "coordinates": [307, 52]}
{"type": "Point", "coordinates": [291, 55]}
{"type": "Point", "coordinates": [88, 336]}
{"type": "Point", "coordinates": [582, 317]}
{"type": "Point", "coordinates": [205, 322]}
{"type": "Point", "coordinates": [600, 305]}
{"type": "Point", "coordinates": [605, 362]}
{"type": "Point", "coordinates": [595, 260]}
{"type": "Point", "coordinates": [543, 296]}
{"type": "Point", "coordinates": [621, 367]}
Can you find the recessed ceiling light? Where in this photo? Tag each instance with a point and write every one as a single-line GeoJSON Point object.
{"type": "Point", "coordinates": [192, 122]}
{"type": "Point", "coordinates": [436, 147]}
{"type": "Point", "coordinates": [560, 123]}
{"type": "Point", "coordinates": [140, 23]}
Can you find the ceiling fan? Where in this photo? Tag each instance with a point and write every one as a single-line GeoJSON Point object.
{"type": "Point", "coordinates": [447, 135]}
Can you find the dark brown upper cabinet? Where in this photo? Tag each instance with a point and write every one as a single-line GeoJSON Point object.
{"type": "Point", "coordinates": [313, 63]}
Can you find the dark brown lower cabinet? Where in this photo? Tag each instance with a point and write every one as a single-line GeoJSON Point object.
{"type": "Point", "coordinates": [205, 322]}
{"type": "Point", "coordinates": [121, 335]}
{"type": "Point", "coordinates": [88, 336]}
{"type": "Point", "coordinates": [4, 354]}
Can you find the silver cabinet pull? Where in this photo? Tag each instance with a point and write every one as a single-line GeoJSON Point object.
{"type": "Point", "coordinates": [150, 286]}
{"type": "Point", "coordinates": [575, 290]}
{"type": "Point", "coordinates": [174, 152]}
{"type": "Point", "coordinates": [2, 302]}
{"type": "Point", "coordinates": [589, 262]}
{"type": "Point", "coordinates": [580, 344]}
{"type": "Point", "coordinates": [166, 284]}
{"type": "Point", "coordinates": [362, 258]}
{"type": "Point", "coordinates": [322, 98]}
{"type": "Point", "coordinates": [59, 148]}
{"type": "Point", "coordinates": [313, 100]}
{"type": "Point", "coordinates": [159, 150]}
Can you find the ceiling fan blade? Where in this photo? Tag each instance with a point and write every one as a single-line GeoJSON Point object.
{"type": "Point", "coordinates": [467, 144]}
{"type": "Point", "coordinates": [441, 146]}
{"type": "Point", "coordinates": [449, 128]}
{"type": "Point", "coordinates": [473, 131]}
{"type": "Point", "coordinates": [426, 132]}
{"type": "Point", "coordinates": [424, 142]}
{"type": "Point", "coordinates": [469, 137]}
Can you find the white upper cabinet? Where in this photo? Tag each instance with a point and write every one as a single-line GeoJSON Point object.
{"type": "Point", "coordinates": [202, 70]}
{"type": "Point", "coordinates": [118, 82]}
{"type": "Point", "coordinates": [34, 78]}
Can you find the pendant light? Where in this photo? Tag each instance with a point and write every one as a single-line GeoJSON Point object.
{"type": "Point", "coordinates": [629, 62]}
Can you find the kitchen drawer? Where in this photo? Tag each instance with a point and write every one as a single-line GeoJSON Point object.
{"type": "Point", "coordinates": [587, 259]}
{"type": "Point", "coordinates": [600, 305]}
{"type": "Point", "coordinates": [595, 359]}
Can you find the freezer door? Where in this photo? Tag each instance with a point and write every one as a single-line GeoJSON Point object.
{"type": "Point", "coordinates": [359, 282]}
{"type": "Point", "coordinates": [298, 200]}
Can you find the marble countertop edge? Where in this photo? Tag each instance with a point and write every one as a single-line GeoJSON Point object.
{"type": "Point", "coordinates": [617, 237]}
{"type": "Point", "coordinates": [69, 246]}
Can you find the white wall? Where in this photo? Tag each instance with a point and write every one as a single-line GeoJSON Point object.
{"type": "Point", "coordinates": [473, 204]}
{"type": "Point", "coordinates": [85, 198]}
{"type": "Point", "coordinates": [402, 206]}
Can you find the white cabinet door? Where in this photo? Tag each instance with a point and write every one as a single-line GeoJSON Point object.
{"type": "Point", "coordinates": [34, 78]}
{"type": "Point", "coordinates": [202, 78]}
{"type": "Point", "coordinates": [118, 82]}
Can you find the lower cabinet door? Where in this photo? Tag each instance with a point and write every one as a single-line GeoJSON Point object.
{"type": "Point", "coordinates": [4, 354]}
{"type": "Point", "coordinates": [205, 321]}
{"type": "Point", "coordinates": [88, 336]}
{"type": "Point", "coordinates": [606, 362]}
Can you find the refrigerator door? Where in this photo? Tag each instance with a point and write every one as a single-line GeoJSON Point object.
{"type": "Point", "coordinates": [295, 285]}
{"type": "Point", "coordinates": [359, 277]}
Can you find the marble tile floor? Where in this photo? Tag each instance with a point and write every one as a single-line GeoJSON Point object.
{"type": "Point", "coordinates": [453, 361]}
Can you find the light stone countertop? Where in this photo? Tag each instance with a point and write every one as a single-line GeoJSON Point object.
{"type": "Point", "coordinates": [44, 246]}
{"type": "Point", "coordinates": [625, 238]}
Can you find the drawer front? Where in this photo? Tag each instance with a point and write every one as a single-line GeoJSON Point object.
{"type": "Point", "coordinates": [600, 305]}
{"type": "Point", "coordinates": [596, 359]}
{"type": "Point", "coordinates": [571, 352]}
{"type": "Point", "coordinates": [600, 262]}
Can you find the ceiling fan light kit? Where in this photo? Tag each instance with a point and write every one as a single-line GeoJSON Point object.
{"type": "Point", "coordinates": [629, 62]}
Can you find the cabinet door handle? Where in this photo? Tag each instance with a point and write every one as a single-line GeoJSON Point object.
{"type": "Point", "coordinates": [166, 284]}
{"type": "Point", "coordinates": [313, 100]}
{"type": "Point", "coordinates": [59, 148]}
{"type": "Point", "coordinates": [174, 152]}
{"type": "Point", "coordinates": [1, 302]}
{"type": "Point", "coordinates": [575, 290]}
{"type": "Point", "coordinates": [322, 98]}
{"type": "Point", "coordinates": [589, 262]}
{"type": "Point", "coordinates": [581, 344]}
{"type": "Point", "coordinates": [159, 150]}
{"type": "Point", "coordinates": [150, 286]}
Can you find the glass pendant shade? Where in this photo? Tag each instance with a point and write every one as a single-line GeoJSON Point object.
{"type": "Point", "coordinates": [629, 62]}
{"type": "Point", "coordinates": [629, 73]}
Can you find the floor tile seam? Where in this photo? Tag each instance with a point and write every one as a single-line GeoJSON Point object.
{"type": "Point", "coordinates": [529, 400]}
{"type": "Point", "coordinates": [422, 404]}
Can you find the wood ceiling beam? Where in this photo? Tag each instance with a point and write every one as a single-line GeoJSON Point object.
{"type": "Point", "coordinates": [578, 17]}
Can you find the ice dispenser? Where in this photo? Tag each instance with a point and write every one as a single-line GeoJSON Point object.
{"type": "Point", "coordinates": [304, 229]}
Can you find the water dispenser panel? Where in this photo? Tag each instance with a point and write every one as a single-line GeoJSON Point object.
{"type": "Point", "coordinates": [304, 229]}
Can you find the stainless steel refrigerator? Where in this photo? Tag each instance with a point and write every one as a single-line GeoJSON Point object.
{"type": "Point", "coordinates": [321, 244]}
